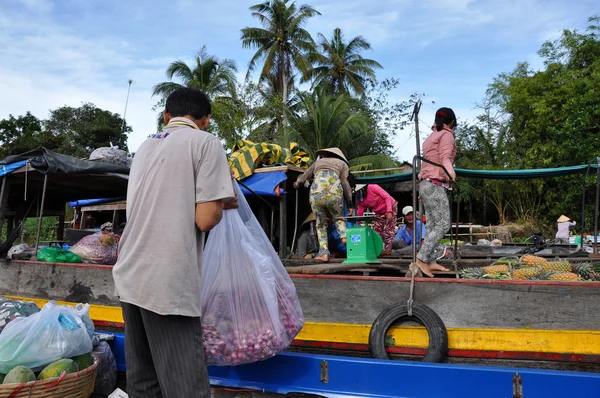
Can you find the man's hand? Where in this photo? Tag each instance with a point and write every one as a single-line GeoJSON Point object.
{"type": "Point", "coordinates": [296, 184]}
{"type": "Point", "coordinates": [232, 204]}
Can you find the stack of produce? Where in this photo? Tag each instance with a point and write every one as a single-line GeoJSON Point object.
{"type": "Point", "coordinates": [532, 268]}
{"type": "Point", "coordinates": [23, 374]}
{"type": "Point", "coordinates": [251, 336]}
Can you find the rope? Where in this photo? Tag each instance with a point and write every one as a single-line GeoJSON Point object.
{"type": "Point", "coordinates": [413, 271]}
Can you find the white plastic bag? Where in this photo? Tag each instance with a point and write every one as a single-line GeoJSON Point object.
{"type": "Point", "coordinates": [53, 333]}
{"type": "Point", "coordinates": [250, 310]}
{"type": "Point", "coordinates": [21, 252]}
{"type": "Point", "coordinates": [112, 155]}
{"type": "Point", "coordinates": [82, 311]}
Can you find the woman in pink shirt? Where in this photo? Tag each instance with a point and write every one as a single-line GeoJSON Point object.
{"type": "Point", "coordinates": [439, 148]}
{"type": "Point", "coordinates": [385, 207]}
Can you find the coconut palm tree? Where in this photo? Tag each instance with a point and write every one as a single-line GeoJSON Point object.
{"type": "Point", "coordinates": [324, 121]}
{"type": "Point", "coordinates": [207, 72]}
{"type": "Point", "coordinates": [340, 67]}
{"type": "Point", "coordinates": [282, 43]}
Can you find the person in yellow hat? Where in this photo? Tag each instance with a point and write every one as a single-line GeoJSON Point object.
{"type": "Point", "coordinates": [564, 223]}
{"type": "Point", "coordinates": [328, 192]}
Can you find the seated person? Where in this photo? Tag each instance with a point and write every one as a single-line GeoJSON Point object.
{"type": "Point", "coordinates": [402, 243]}
{"type": "Point", "coordinates": [335, 240]}
{"type": "Point", "coordinates": [307, 246]}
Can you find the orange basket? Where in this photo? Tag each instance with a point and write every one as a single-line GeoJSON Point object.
{"type": "Point", "coordinates": [72, 385]}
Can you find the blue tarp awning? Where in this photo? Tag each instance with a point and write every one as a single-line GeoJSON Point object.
{"type": "Point", "coordinates": [87, 202]}
{"type": "Point", "coordinates": [264, 183]}
{"type": "Point", "coordinates": [9, 168]}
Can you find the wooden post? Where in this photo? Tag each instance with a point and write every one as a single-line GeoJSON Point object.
{"type": "Point", "coordinates": [41, 215]}
{"type": "Point", "coordinates": [282, 226]}
{"type": "Point", "coordinates": [3, 201]}
{"type": "Point", "coordinates": [60, 231]}
{"type": "Point", "coordinates": [10, 226]}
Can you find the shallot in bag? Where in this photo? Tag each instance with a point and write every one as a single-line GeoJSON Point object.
{"type": "Point", "coordinates": [250, 309]}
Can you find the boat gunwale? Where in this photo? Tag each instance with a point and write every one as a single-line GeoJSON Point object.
{"type": "Point", "coordinates": [361, 277]}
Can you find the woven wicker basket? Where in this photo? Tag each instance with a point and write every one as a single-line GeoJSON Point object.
{"type": "Point", "coordinates": [73, 385]}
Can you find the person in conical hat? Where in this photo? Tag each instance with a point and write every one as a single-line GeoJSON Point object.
{"type": "Point", "coordinates": [307, 246]}
{"type": "Point", "coordinates": [328, 192]}
{"type": "Point", "coordinates": [564, 224]}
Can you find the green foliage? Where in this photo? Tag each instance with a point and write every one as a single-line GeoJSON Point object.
{"type": "Point", "coordinates": [83, 129]}
{"type": "Point", "coordinates": [207, 73]}
{"type": "Point", "coordinates": [68, 130]}
{"type": "Point", "coordinates": [282, 44]}
{"type": "Point", "coordinates": [539, 119]}
{"type": "Point", "coordinates": [339, 67]}
{"type": "Point", "coordinates": [28, 234]}
{"type": "Point", "coordinates": [23, 133]}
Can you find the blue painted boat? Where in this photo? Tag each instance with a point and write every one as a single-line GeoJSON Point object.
{"type": "Point", "coordinates": [337, 376]}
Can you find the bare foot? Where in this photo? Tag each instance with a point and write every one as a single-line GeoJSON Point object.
{"type": "Point", "coordinates": [437, 267]}
{"type": "Point", "coordinates": [424, 267]}
{"type": "Point", "coordinates": [324, 258]}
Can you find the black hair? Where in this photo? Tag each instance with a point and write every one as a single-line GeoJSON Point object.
{"type": "Point", "coordinates": [444, 116]}
{"type": "Point", "coordinates": [188, 101]}
{"type": "Point", "coordinates": [352, 180]}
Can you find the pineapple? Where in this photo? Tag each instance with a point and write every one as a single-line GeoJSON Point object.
{"type": "Point", "coordinates": [542, 276]}
{"type": "Point", "coordinates": [496, 268]}
{"type": "Point", "coordinates": [530, 261]}
{"type": "Point", "coordinates": [564, 276]}
{"type": "Point", "coordinates": [472, 273]}
{"type": "Point", "coordinates": [585, 271]}
{"type": "Point", "coordinates": [559, 266]}
{"type": "Point", "coordinates": [524, 273]}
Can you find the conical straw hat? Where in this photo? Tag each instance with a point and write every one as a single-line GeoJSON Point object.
{"type": "Point", "coordinates": [311, 217]}
{"type": "Point", "coordinates": [334, 151]}
{"type": "Point", "coordinates": [563, 218]}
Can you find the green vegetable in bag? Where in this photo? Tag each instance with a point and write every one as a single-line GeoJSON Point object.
{"type": "Point", "coordinates": [56, 255]}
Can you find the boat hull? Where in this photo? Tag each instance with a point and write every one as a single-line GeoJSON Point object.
{"type": "Point", "coordinates": [504, 320]}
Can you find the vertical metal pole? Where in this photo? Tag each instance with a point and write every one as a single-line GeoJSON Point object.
{"type": "Point", "coordinates": [41, 215]}
{"type": "Point", "coordinates": [126, 102]}
{"type": "Point", "coordinates": [583, 203]}
{"type": "Point", "coordinates": [596, 207]}
{"type": "Point", "coordinates": [414, 200]}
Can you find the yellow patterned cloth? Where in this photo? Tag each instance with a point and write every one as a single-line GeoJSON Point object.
{"type": "Point", "coordinates": [246, 156]}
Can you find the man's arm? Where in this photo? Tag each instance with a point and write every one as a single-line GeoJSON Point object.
{"type": "Point", "coordinates": [209, 214]}
{"type": "Point", "coordinates": [213, 184]}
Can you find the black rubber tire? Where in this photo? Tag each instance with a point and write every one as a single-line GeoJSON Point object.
{"type": "Point", "coordinates": [438, 336]}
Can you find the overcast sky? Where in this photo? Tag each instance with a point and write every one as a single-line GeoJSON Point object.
{"type": "Point", "coordinates": [65, 52]}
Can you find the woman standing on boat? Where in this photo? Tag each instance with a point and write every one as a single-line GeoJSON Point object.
{"type": "Point", "coordinates": [385, 207]}
{"type": "Point", "coordinates": [439, 148]}
{"type": "Point", "coordinates": [564, 223]}
{"type": "Point", "coordinates": [327, 194]}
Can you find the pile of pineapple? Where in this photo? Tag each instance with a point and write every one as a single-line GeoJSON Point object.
{"type": "Point", "coordinates": [531, 267]}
